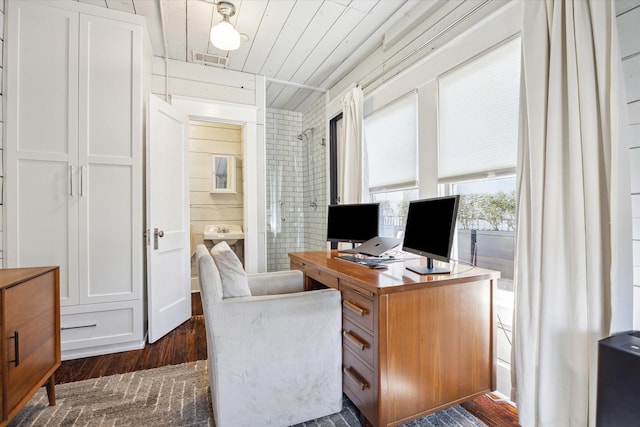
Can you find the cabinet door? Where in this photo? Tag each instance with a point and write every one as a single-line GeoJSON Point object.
{"type": "Point", "coordinates": [32, 351]}
{"type": "Point", "coordinates": [110, 153]}
{"type": "Point", "coordinates": [41, 144]}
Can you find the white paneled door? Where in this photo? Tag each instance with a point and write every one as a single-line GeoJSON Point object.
{"type": "Point", "coordinates": [168, 251]}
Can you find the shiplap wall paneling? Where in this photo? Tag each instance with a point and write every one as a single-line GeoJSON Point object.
{"type": "Point", "coordinates": [202, 81]}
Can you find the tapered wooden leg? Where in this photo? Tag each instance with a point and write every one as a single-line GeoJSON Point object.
{"type": "Point", "coordinates": [51, 391]}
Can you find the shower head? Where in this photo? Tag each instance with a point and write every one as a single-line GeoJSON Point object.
{"type": "Point", "coordinates": [304, 133]}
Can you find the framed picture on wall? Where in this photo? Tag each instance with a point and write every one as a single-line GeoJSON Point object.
{"type": "Point", "coordinates": [223, 171]}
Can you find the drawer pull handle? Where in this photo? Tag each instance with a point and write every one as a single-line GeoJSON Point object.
{"type": "Point", "coordinates": [16, 347]}
{"type": "Point", "coordinates": [361, 292]}
{"type": "Point", "coordinates": [355, 340]}
{"type": "Point", "coordinates": [356, 377]}
{"type": "Point", "coordinates": [66, 328]}
{"type": "Point", "coordinates": [354, 307]}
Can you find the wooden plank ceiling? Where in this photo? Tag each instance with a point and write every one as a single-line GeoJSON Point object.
{"type": "Point", "coordinates": [303, 47]}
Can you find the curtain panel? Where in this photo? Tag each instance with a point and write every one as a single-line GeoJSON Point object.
{"type": "Point", "coordinates": [352, 176]}
{"type": "Point", "coordinates": [566, 196]}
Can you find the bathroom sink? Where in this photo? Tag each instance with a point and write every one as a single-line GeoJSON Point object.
{"type": "Point", "coordinates": [219, 232]}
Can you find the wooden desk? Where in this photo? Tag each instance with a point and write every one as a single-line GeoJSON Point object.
{"type": "Point", "coordinates": [412, 344]}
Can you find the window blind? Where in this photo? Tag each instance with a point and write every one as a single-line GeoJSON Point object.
{"type": "Point", "coordinates": [391, 135]}
{"type": "Point", "coordinates": [478, 109]}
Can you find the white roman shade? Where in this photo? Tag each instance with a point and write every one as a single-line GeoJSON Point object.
{"type": "Point", "coordinates": [391, 135]}
{"type": "Point", "coordinates": [478, 106]}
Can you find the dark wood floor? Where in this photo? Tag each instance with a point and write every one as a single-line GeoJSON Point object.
{"type": "Point", "coordinates": [187, 343]}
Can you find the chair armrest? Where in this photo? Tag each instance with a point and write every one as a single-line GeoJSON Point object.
{"type": "Point", "coordinates": [254, 322]}
{"type": "Point", "coordinates": [277, 282]}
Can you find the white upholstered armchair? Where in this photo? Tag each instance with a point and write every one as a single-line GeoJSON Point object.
{"type": "Point", "coordinates": [274, 357]}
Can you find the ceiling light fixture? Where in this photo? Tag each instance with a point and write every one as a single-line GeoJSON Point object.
{"type": "Point", "coordinates": [223, 35]}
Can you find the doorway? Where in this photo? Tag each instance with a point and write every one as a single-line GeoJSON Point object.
{"type": "Point", "coordinates": [207, 205]}
{"type": "Point", "coordinates": [253, 160]}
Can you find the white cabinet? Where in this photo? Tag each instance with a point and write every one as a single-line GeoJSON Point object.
{"type": "Point", "coordinates": [74, 165]}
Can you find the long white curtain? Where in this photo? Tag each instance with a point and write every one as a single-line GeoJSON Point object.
{"type": "Point", "coordinates": [566, 207]}
{"type": "Point", "coordinates": [352, 179]}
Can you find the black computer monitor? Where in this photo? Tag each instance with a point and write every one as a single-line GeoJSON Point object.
{"type": "Point", "coordinates": [431, 224]}
{"type": "Point", "coordinates": [354, 223]}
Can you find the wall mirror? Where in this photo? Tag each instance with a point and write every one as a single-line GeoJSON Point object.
{"type": "Point", "coordinates": [223, 168]}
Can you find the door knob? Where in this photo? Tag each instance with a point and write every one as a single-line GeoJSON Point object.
{"type": "Point", "coordinates": [157, 233]}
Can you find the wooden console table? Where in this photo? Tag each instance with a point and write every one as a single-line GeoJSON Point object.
{"type": "Point", "coordinates": [30, 327]}
{"type": "Point", "coordinates": [412, 345]}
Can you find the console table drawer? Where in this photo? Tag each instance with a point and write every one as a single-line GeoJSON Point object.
{"type": "Point", "coordinates": [357, 308]}
{"type": "Point", "coordinates": [359, 385]}
{"type": "Point", "coordinates": [359, 341]}
{"type": "Point", "coordinates": [325, 278]}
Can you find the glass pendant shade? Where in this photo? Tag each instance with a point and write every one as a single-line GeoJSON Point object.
{"type": "Point", "coordinates": [224, 36]}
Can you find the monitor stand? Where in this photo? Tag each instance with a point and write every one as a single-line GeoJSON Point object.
{"type": "Point", "coordinates": [428, 269]}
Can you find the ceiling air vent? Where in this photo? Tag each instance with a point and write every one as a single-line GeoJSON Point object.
{"type": "Point", "coordinates": [208, 59]}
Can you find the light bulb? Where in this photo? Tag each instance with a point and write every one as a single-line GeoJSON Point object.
{"type": "Point", "coordinates": [224, 36]}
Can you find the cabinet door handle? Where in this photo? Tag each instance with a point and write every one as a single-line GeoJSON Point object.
{"type": "Point", "coordinates": [355, 308]}
{"type": "Point", "coordinates": [355, 340]}
{"type": "Point", "coordinates": [81, 181]}
{"type": "Point", "coordinates": [71, 180]}
{"type": "Point", "coordinates": [16, 347]}
{"type": "Point", "coordinates": [356, 377]}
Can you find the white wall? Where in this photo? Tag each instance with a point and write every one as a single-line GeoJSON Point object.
{"type": "Point", "coordinates": [1, 126]}
{"type": "Point", "coordinates": [628, 18]}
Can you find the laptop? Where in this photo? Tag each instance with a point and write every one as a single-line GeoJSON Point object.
{"type": "Point", "coordinates": [375, 246]}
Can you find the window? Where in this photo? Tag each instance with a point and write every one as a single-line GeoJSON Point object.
{"type": "Point", "coordinates": [478, 113]}
{"type": "Point", "coordinates": [478, 107]}
{"type": "Point", "coordinates": [335, 140]}
{"type": "Point", "coordinates": [391, 141]}
{"type": "Point", "coordinates": [392, 151]}
{"type": "Point", "coordinates": [486, 225]}
{"type": "Point", "coordinates": [393, 210]}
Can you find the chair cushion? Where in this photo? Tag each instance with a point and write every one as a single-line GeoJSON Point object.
{"type": "Point", "coordinates": [233, 276]}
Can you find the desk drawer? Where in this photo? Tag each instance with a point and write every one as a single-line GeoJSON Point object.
{"type": "Point", "coordinates": [359, 341]}
{"type": "Point", "coordinates": [359, 385]}
{"type": "Point", "coordinates": [323, 277]}
{"type": "Point", "coordinates": [295, 264]}
{"type": "Point", "coordinates": [357, 308]}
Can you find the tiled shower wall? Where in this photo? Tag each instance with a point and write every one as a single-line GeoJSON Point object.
{"type": "Point", "coordinates": [315, 184]}
{"type": "Point", "coordinates": [285, 191]}
{"type": "Point", "coordinates": [296, 179]}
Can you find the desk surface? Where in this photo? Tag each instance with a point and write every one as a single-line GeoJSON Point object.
{"type": "Point", "coordinates": [394, 279]}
